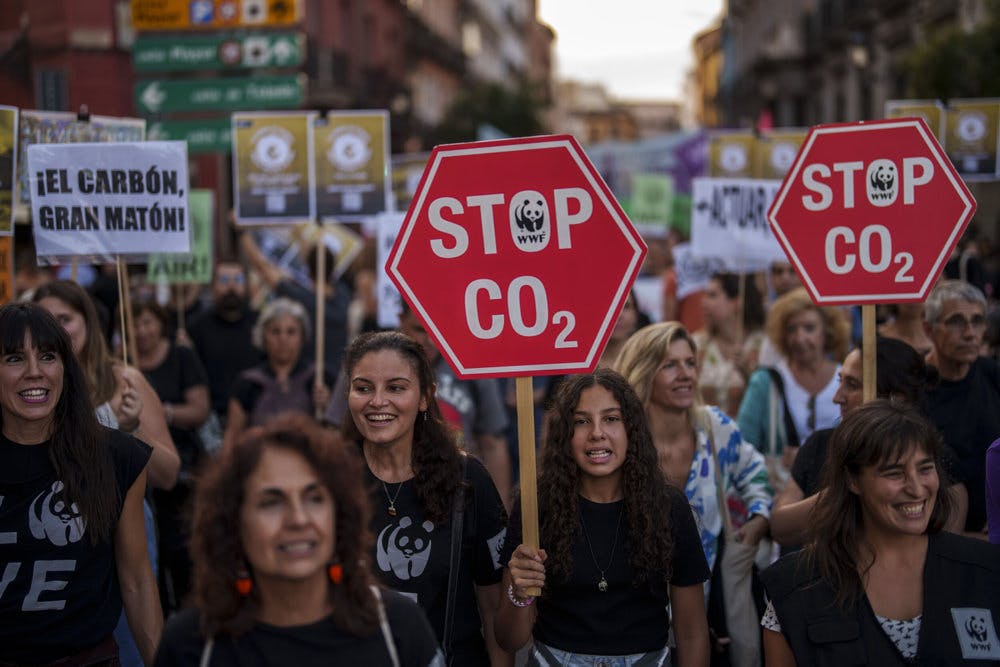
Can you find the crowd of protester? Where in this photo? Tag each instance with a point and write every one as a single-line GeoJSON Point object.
{"type": "Point", "coordinates": [715, 493]}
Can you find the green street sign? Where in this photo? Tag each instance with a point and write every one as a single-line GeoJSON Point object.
{"type": "Point", "coordinates": [218, 51]}
{"type": "Point", "coordinates": [252, 93]}
{"type": "Point", "coordinates": [210, 135]}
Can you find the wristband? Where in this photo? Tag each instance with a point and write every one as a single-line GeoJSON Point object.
{"type": "Point", "coordinates": [514, 599]}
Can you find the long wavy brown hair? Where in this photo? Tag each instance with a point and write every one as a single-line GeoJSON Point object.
{"type": "Point", "coordinates": [77, 449]}
{"type": "Point", "coordinates": [874, 434]}
{"type": "Point", "coordinates": [436, 458]}
{"type": "Point", "coordinates": [649, 535]}
{"type": "Point", "coordinates": [216, 545]}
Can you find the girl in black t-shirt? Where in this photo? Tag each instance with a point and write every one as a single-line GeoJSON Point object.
{"type": "Point", "coordinates": [620, 543]}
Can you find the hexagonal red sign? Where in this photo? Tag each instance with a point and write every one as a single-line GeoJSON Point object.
{"type": "Point", "coordinates": [870, 211]}
{"type": "Point", "coordinates": [516, 257]}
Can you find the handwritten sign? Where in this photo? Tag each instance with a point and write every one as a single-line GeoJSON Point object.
{"type": "Point", "coordinates": [195, 267]}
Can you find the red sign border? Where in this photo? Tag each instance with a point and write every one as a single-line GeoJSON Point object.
{"type": "Point", "coordinates": [961, 189]}
{"type": "Point", "coordinates": [630, 233]}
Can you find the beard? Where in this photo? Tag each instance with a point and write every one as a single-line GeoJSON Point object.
{"type": "Point", "coordinates": [231, 304]}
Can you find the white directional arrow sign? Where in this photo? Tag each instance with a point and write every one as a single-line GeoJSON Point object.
{"type": "Point", "coordinates": [153, 97]}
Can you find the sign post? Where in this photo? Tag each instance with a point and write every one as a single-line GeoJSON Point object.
{"type": "Point", "coordinates": [517, 259]}
{"type": "Point", "coordinates": [868, 214]}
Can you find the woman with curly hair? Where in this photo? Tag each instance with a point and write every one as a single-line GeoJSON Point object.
{"type": "Point", "coordinates": [437, 515]}
{"type": "Point", "coordinates": [880, 582]}
{"type": "Point", "coordinates": [282, 575]}
{"type": "Point", "coordinates": [618, 542]}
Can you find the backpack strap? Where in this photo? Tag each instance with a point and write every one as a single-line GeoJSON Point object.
{"type": "Point", "coordinates": [383, 622]}
{"type": "Point", "coordinates": [206, 652]}
{"type": "Point", "coordinates": [457, 521]}
{"type": "Point", "coordinates": [791, 433]}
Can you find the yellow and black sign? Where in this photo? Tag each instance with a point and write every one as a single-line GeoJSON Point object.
{"type": "Point", "coordinates": [214, 14]}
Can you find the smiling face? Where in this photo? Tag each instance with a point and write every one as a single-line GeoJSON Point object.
{"type": "Point", "coordinates": [898, 497]}
{"type": "Point", "coordinates": [31, 382]}
{"type": "Point", "coordinates": [71, 320]}
{"type": "Point", "coordinates": [287, 526]}
{"type": "Point", "coordinates": [676, 379]}
{"type": "Point", "coordinates": [804, 336]}
{"type": "Point", "coordinates": [849, 394]}
{"type": "Point", "coordinates": [385, 398]}
{"type": "Point", "coordinates": [283, 339]}
{"type": "Point", "coordinates": [599, 441]}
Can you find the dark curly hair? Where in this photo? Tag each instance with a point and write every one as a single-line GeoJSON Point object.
{"type": "Point", "coordinates": [216, 546]}
{"type": "Point", "coordinates": [644, 486]}
{"type": "Point", "coordinates": [435, 457]}
{"type": "Point", "coordinates": [876, 433]}
{"type": "Point", "coordinates": [77, 449]}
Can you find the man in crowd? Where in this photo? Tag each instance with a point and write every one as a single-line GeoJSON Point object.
{"type": "Point", "coordinates": [221, 334]}
{"type": "Point", "coordinates": [965, 405]}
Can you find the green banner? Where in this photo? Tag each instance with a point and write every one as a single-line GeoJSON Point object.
{"type": "Point", "coordinates": [210, 135]}
{"type": "Point", "coordinates": [195, 267]}
{"type": "Point", "coordinates": [264, 92]}
{"type": "Point", "coordinates": [217, 51]}
{"type": "Point", "coordinates": [652, 199]}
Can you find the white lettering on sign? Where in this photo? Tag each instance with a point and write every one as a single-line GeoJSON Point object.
{"type": "Point", "coordinates": [515, 311]}
{"type": "Point", "coordinates": [883, 182]}
{"type": "Point", "coordinates": [844, 262]}
{"type": "Point", "coordinates": [528, 217]}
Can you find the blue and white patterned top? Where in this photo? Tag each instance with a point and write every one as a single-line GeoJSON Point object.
{"type": "Point", "coordinates": [743, 472]}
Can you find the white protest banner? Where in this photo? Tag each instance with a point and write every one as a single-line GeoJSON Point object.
{"type": "Point", "coordinates": [389, 302]}
{"type": "Point", "coordinates": [107, 200]}
{"type": "Point", "coordinates": [729, 219]}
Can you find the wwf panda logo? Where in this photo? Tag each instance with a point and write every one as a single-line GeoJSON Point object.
{"type": "Point", "coordinates": [977, 628]}
{"type": "Point", "coordinates": [405, 548]}
{"type": "Point", "coordinates": [530, 221]}
{"type": "Point", "coordinates": [53, 517]}
{"type": "Point", "coordinates": [882, 182]}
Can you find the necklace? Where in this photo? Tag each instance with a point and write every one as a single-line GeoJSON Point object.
{"type": "Point", "coordinates": [392, 498]}
{"type": "Point", "coordinates": [602, 585]}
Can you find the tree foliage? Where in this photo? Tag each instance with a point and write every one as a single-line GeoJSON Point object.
{"type": "Point", "coordinates": [954, 63]}
{"type": "Point", "coordinates": [514, 112]}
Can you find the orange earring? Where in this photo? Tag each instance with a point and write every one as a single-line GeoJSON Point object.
{"type": "Point", "coordinates": [244, 584]}
{"type": "Point", "coordinates": [336, 572]}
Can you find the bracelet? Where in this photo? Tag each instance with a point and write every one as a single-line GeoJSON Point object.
{"type": "Point", "coordinates": [515, 600]}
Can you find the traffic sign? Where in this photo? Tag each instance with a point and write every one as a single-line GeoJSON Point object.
{"type": "Point", "coordinates": [263, 92]}
{"type": "Point", "coordinates": [870, 212]}
{"type": "Point", "coordinates": [217, 51]}
{"type": "Point", "coordinates": [213, 14]}
{"type": "Point", "coordinates": [516, 257]}
{"type": "Point", "coordinates": [205, 135]}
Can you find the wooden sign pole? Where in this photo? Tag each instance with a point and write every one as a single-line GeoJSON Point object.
{"type": "Point", "coordinates": [320, 287]}
{"type": "Point", "coordinates": [868, 358]}
{"type": "Point", "coordinates": [526, 453]}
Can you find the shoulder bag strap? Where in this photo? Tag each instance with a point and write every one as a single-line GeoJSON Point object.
{"type": "Point", "coordinates": [791, 433]}
{"type": "Point", "coordinates": [457, 521]}
{"type": "Point", "coordinates": [383, 622]}
{"type": "Point", "coordinates": [720, 494]}
{"type": "Point", "coordinates": [206, 653]}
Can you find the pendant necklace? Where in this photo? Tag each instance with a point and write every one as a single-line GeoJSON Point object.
{"type": "Point", "coordinates": [602, 584]}
{"type": "Point", "coordinates": [392, 498]}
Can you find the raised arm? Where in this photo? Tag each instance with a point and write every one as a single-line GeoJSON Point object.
{"type": "Point", "coordinates": [271, 274]}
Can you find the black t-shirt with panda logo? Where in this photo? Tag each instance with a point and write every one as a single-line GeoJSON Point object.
{"type": "Point", "coordinates": [58, 591]}
{"type": "Point", "coordinates": [412, 555]}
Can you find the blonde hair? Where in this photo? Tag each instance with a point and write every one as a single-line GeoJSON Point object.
{"type": "Point", "coordinates": [836, 328]}
{"type": "Point", "coordinates": [642, 354]}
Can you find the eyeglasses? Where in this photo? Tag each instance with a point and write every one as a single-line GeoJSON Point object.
{"type": "Point", "coordinates": [957, 324]}
{"type": "Point", "coordinates": [781, 270]}
{"type": "Point", "coordinates": [238, 279]}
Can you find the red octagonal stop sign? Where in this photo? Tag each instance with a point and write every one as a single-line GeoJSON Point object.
{"type": "Point", "coordinates": [870, 211]}
{"type": "Point", "coordinates": [516, 257]}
